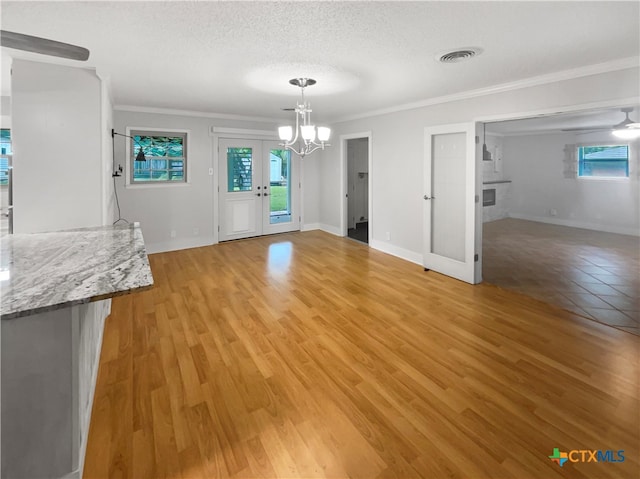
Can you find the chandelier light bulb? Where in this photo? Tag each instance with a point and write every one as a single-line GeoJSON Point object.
{"type": "Point", "coordinates": [324, 133]}
{"type": "Point", "coordinates": [285, 133]}
{"type": "Point", "coordinates": [308, 132]}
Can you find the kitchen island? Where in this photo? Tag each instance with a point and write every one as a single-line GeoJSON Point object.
{"type": "Point", "coordinates": [55, 295]}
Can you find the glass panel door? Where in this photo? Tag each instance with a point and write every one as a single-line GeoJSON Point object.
{"type": "Point", "coordinates": [240, 195]}
{"type": "Point", "coordinates": [281, 179]}
{"type": "Point", "coordinates": [259, 189]}
{"type": "Point", "coordinates": [279, 186]}
{"type": "Point", "coordinates": [449, 201]}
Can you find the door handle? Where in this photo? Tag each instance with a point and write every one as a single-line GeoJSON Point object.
{"type": "Point", "coordinates": [257, 194]}
{"type": "Point", "coordinates": [266, 194]}
{"type": "Point", "coordinates": [427, 197]}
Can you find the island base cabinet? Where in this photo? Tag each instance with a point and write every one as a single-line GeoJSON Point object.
{"type": "Point", "coordinates": [48, 374]}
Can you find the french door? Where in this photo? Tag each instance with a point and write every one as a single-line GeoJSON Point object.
{"type": "Point", "coordinates": [450, 208]}
{"type": "Point", "coordinates": [259, 189]}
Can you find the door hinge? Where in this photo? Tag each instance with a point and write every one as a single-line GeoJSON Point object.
{"type": "Point", "coordinates": [218, 228]}
{"type": "Point", "coordinates": [475, 257]}
{"type": "Point", "coordinates": [218, 188]}
{"type": "Point", "coordinates": [477, 140]}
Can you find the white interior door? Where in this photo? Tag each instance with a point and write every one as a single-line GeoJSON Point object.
{"type": "Point", "coordinates": [259, 189]}
{"type": "Point", "coordinates": [450, 200]}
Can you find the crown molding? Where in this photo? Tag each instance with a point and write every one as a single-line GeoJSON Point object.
{"type": "Point", "coordinates": [532, 133]}
{"type": "Point", "coordinates": [220, 130]}
{"type": "Point", "coordinates": [606, 67]}
{"type": "Point", "coordinates": [193, 113]}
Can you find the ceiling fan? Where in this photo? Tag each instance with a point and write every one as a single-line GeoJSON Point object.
{"type": "Point", "coordinates": [43, 46]}
{"type": "Point", "coordinates": [627, 128]}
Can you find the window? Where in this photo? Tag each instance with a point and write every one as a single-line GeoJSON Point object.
{"type": "Point", "coordinates": [165, 153]}
{"type": "Point", "coordinates": [603, 161]}
{"type": "Point", "coordinates": [5, 149]}
{"type": "Point", "coordinates": [239, 169]}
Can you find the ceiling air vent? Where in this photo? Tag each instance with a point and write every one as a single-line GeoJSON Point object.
{"type": "Point", "coordinates": [458, 55]}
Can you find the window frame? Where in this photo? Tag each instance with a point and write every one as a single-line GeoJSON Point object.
{"type": "Point", "coordinates": [630, 157]}
{"type": "Point", "coordinates": [151, 131]}
{"type": "Point", "coordinates": [7, 156]}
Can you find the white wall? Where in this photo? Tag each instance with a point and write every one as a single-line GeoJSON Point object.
{"type": "Point", "coordinates": [398, 150]}
{"type": "Point", "coordinates": [106, 124]}
{"type": "Point", "coordinates": [5, 112]}
{"type": "Point", "coordinates": [5, 122]}
{"type": "Point", "coordinates": [492, 172]}
{"type": "Point", "coordinates": [542, 189]}
{"type": "Point", "coordinates": [310, 179]}
{"type": "Point", "coordinates": [185, 209]}
{"type": "Point", "coordinates": [57, 144]}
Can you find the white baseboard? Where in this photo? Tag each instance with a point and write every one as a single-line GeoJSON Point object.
{"type": "Point", "coordinates": [578, 224]}
{"type": "Point", "coordinates": [334, 230]}
{"type": "Point", "coordinates": [375, 244]}
{"type": "Point", "coordinates": [310, 227]}
{"type": "Point", "coordinates": [397, 251]}
{"type": "Point", "coordinates": [178, 244]}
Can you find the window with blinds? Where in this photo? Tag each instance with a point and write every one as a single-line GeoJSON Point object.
{"type": "Point", "coordinates": [603, 161]}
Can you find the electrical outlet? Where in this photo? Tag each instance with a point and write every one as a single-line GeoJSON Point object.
{"type": "Point", "coordinates": [553, 212]}
{"type": "Point", "coordinates": [173, 233]}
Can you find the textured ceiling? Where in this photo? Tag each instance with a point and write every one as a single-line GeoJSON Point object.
{"type": "Point", "coordinates": [237, 57]}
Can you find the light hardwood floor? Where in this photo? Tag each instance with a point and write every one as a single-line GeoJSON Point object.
{"type": "Point", "coordinates": [306, 356]}
{"type": "Point", "coordinates": [592, 273]}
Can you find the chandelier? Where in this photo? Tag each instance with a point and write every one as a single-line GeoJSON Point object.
{"type": "Point", "coordinates": [304, 129]}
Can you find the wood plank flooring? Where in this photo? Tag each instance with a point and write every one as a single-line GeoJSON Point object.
{"type": "Point", "coordinates": [307, 356]}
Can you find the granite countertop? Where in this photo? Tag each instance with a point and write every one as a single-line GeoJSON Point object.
{"type": "Point", "coordinates": [46, 271]}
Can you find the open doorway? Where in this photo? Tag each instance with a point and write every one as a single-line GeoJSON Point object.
{"type": "Point", "coordinates": [560, 213]}
{"type": "Point", "coordinates": [358, 189]}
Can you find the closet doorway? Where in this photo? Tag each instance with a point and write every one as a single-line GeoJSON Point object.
{"type": "Point", "coordinates": [358, 189]}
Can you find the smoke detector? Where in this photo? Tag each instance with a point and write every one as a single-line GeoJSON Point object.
{"type": "Point", "coordinates": [458, 55]}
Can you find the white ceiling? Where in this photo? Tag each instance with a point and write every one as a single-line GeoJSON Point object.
{"type": "Point", "coordinates": [237, 57]}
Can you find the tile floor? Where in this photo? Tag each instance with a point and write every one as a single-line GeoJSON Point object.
{"type": "Point", "coordinates": [360, 232]}
{"type": "Point", "coordinates": [591, 273]}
